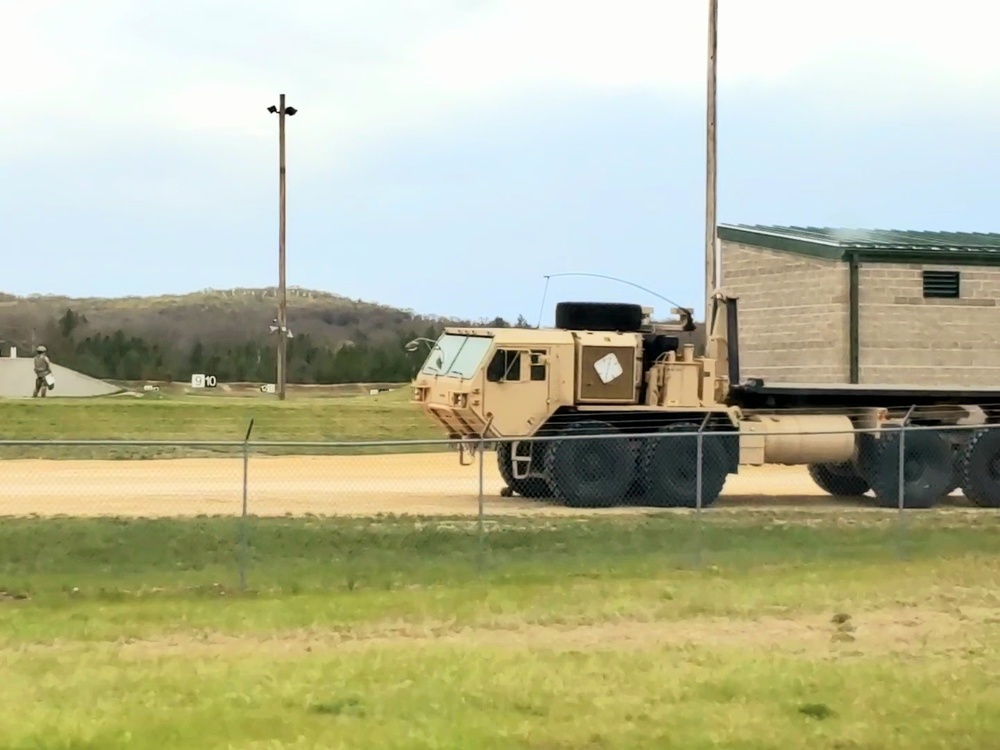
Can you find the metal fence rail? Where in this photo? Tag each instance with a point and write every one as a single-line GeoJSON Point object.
{"type": "Point", "coordinates": [610, 478]}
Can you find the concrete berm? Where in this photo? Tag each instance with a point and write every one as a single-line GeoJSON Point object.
{"type": "Point", "coordinates": [17, 380]}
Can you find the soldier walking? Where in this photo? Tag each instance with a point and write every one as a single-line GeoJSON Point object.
{"type": "Point", "coordinates": [43, 368]}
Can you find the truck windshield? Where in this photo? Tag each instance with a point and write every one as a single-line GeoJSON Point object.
{"type": "Point", "coordinates": [457, 356]}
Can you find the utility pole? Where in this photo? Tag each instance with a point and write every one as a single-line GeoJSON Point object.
{"type": "Point", "coordinates": [282, 110]}
{"type": "Point", "coordinates": [712, 270]}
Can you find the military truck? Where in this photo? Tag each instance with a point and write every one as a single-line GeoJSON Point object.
{"type": "Point", "coordinates": [606, 408]}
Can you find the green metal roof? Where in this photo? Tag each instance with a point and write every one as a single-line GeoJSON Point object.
{"type": "Point", "coordinates": [872, 245]}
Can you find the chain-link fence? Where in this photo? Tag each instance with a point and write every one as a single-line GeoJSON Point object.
{"type": "Point", "coordinates": [385, 514]}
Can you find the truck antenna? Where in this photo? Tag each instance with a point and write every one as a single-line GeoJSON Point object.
{"type": "Point", "coordinates": [688, 312]}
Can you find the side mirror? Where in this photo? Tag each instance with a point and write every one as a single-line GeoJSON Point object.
{"type": "Point", "coordinates": [539, 359]}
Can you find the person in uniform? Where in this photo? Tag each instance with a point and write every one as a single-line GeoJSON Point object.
{"type": "Point", "coordinates": [43, 368]}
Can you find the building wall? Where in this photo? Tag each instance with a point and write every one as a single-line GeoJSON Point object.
{"type": "Point", "coordinates": [794, 323]}
{"type": "Point", "coordinates": [906, 339]}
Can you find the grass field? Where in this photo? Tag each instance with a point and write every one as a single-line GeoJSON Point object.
{"type": "Point", "coordinates": [827, 628]}
{"type": "Point", "coordinates": [386, 416]}
{"type": "Point", "coordinates": [799, 630]}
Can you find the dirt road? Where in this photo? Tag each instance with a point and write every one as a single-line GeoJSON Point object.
{"type": "Point", "coordinates": [432, 484]}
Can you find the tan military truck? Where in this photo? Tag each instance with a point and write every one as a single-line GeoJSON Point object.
{"type": "Point", "coordinates": [605, 409]}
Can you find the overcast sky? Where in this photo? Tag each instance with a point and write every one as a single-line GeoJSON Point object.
{"type": "Point", "coordinates": [450, 153]}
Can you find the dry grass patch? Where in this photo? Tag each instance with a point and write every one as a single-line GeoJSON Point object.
{"type": "Point", "coordinates": [873, 633]}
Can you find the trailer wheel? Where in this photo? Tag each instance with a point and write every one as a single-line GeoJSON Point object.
{"type": "Point", "coordinates": [669, 467]}
{"type": "Point", "coordinates": [866, 456]}
{"type": "Point", "coordinates": [957, 457]}
{"type": "Point", "coordinates": [839, 480]}
{"type": "Point", "coordinates": [531, 487]}
{"type": "Point", "coordinates": [593, 472]}
{"type": "Point", "coordinates": [927, 469]}
{"type": "Point", "coordinates": [956, 469]}
{"type": "Point", "coordinates": [979, 468]}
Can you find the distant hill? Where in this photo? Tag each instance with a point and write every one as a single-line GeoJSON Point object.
{"type": "Point", "coordinates": [225, 333]}
{"type": "Point", "coordinates": [336, 339]}
{"type": "Point", "coordinates": [213, 316]}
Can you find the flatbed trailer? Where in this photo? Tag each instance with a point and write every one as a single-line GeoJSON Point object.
{"type": "Point", "coordinates": [756, 394]}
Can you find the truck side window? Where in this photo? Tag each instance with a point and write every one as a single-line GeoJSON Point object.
{"type": "Point", "coordinates": [505, 365]}
{"type": "Point", "coordinates": [537, 367]}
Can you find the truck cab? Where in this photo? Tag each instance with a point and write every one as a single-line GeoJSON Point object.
{"type": "Point", "coordinates": [495, 382]}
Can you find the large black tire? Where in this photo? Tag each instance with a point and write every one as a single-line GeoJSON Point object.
{"type": "Point", "coordinates": [668, 467]}
{"type": "Point", "coordinates": [957, 439]}
{"type": "Point", "coordinates": [866, 456]}
{"type": "Point", "coordinates": [839, 480]}
{"type": "Point", "coordinates": [979, 468]}
{"type": "Point", "coordinates": [927, 469]}
{"type": "Point", "coordinates": [598, 316]}
{"type": "Point", "coordinates": [532, 487]}
{"type": "Point", "coordinates": [594, 472]}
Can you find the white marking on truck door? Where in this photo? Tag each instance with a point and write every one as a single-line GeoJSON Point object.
{"type": "Point", "coordinates": [608, 368]}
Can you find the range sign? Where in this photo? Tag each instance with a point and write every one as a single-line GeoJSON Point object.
{"type": "Point", "coordinates": [203, 381]}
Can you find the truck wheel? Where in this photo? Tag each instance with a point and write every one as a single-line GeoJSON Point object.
{"type": "Point", "coordinates": [839, 480]}
{"type": "Point", "coordinates": [669, 467]}
{"type": "Point", "coordinates": [532, 487]}
{"type": "Point", "coordinates": [927, 469]}
{"type": "Point", "coordinates": [979, 468]}
{"type": "Point", "coordinates": [591, 472]}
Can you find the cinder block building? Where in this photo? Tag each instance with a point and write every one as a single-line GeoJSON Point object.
{"type": "Point", "coordinates": [821, 305]}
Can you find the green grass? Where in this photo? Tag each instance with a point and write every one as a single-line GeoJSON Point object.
{"type": "Point", "coordinates": [387, 416]}
{"type": "Point", "coordinates": [790, 629]}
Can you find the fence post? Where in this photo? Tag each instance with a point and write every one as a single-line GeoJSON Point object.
{"type": "Point", "coordinates": [481, 529]}
{"type": "Point", "coordinates": [698, 491]}
{"type": "Point", "coordinates": [901, 478]}
{"type": "Point", "coordinates": [244, 531]}
{"type": "Point", "coordinates": [480, 520]}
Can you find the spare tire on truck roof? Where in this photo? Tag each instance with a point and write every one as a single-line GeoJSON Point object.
{"type": "Point", "coordinates": [599, 316]}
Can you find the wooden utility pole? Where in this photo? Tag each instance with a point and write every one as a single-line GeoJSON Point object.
{"type": "Point", "coordinates": [712, 278]}
{"type": "Point", "coordinates": [282, 299]}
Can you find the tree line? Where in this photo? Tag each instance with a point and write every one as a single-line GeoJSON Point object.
{"type": "Point", "coordinates": [122, 356]}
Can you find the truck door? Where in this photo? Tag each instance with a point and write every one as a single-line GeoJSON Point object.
{"type": "Point", "coordinates": [517, 389]}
